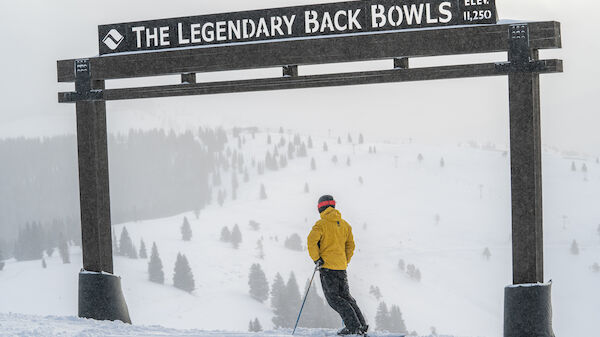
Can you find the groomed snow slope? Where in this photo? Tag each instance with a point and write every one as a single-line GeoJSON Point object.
{"type": "Point", "coordinates": [460, 293]}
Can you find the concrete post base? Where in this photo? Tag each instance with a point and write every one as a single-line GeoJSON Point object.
{"type": "Point", "coordinates": [101, 297]}
{"type": "Point", "coordinates": [528, 310]}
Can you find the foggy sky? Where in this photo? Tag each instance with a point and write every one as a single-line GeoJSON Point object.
{"type": "Point", "coordinates": [36, 33]}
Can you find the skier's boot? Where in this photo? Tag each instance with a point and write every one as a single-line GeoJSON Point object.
{"type": "Point", "coordinates": [349, 331]}
{"type": "Point", "coordinates": [363, 329]}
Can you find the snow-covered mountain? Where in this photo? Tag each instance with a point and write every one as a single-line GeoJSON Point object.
{"type": "Point", "coordinates": [438, 213]}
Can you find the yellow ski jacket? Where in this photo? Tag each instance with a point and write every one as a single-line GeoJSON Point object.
{"type": "Point", "coordinates": [331, 239]}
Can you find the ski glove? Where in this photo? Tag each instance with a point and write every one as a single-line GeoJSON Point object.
{"type": "Point", "coordinates": [319, 262]}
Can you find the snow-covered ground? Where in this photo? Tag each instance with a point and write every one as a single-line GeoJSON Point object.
{"type": "Point", "coordinates": [53, 326]}
{"type": "Point", "coordinates": [438, 218]}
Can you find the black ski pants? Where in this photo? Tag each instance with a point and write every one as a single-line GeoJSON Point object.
{"type": "Point", "coordinates": [337, 293]}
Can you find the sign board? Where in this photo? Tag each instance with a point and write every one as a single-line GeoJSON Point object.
{"type": "Point", "coordinates": [308, 21]}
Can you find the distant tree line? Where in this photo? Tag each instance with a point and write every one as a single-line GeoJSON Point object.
{"type": "Point", "coordinates": [152, 174]}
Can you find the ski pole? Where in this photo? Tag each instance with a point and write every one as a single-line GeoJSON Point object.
{"type": "Point", "coordinates": [305, 296]}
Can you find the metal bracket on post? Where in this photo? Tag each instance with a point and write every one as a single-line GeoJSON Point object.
{"type": "Point", "coordinates": [189, 78]}
{"type": "Point", "coordinates": [83, 84]}
{"type": "Point", "coordinates": [290, 71]}
{"type": "Point", "coordinates": [519, 53]}
{"type": "Point", "coordinates": [401, 63]}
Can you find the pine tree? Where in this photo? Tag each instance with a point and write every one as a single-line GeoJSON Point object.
{"type": "Point", "coordinates": [382, 317]}
{"type": "Point", "coordinates": [155, 267]}
{"type": "Point", "coordinates": [269, 139]}
{"type": "Point", "coordinates": [63, 249]}
{"type": "Point", "coordinates": [293, 300]}
{"type": "Point", "coordinates": [186, 230]}
{"type": "Point", "coordinates": [225, 234]}
{"type": "Point", "coordinates": [302, 151]}
{"type": "Point", "coordinates": [334, 159]}
{"type": "Point", "coordinates": [339, 140]}
{"type": "Point", "coordinates": [486, 253]}
{"type": "Point", "coordinates": [44, 263]}
{"type": "Point", "coordinates": [125, 243]}
{"type": "Point", "coordinates": [348, 162]}
{"type": "Point", "coordinates": [325, 147]}
{"type": "Point", "coordinates": [442, 162]}
{"type": "Point", "coordinates": [278, 302]}
{"type": "Point", "coordinates": [349, 139]}
{"type": "Point", "coordinates": [183, 278]}
{"type": "Point", "coordinates": [401, 265]}
{"type": "Point", "coordinates": [573, 167]}
{"type": "Point", "coordinates": [257, 325]}
{"type": "Point", "coordinates": [360, 180]}
{"type": "Point", "coordinates": [574, 248]}
{"type": "Point", "coordinates": [420, 158]}
{"type": "Point", "coordinates": [595, 267]}
{"type": "Point", "coordinates": [397, 324]}
{"type": "Point", "coordinates": [313, 164]}
{"type": "Point", "coordinates": [259, 287]}
{"type": "Point", "coordinates": [263, 192]}
{"type": "Point", "coordinates": [310, 142]}
{"type": "Point", "coordinates": [236, 236]}
{"type": "Point", "coordinates": [143, 254]}
{"type": "Point", "coordinates": [1, 260]}
{"type": "Point", "coordinates": [254, 326]}
{"type": "Point", "coordinates": [260, 249]}
{"type": "Point", "coordinates": [306, 189]}
{"type": "Point", "coordinates": [361, 139]}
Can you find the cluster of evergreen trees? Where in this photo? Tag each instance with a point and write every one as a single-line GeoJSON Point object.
{"type": "Point", "coordinates": [389, 320]}
{"type": "Point", "coordinates": [286, 301]}
{"type": "Point", "coordinates": [33, 240]}
{"type": "Point", "coordinates": [125, 246]}
{"type": "Point", "coordinates": [293, 242]}
{"type": "Point", "coordinates": [254, 326]}
{"type": "Point", "coordinates": [411, 270]}
{"type": "Point", "coordinates": [183, 278]}
{"type": "Point", "coordinates": [234, 237]}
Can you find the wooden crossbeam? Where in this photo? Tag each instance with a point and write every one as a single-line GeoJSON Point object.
{"type": "Point", "coordinates": [314, 81]}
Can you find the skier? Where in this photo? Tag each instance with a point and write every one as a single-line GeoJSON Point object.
{"type": "Point", "coordinates": [331, 245]}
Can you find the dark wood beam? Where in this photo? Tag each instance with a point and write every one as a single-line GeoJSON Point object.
{"type": "Point", "coordinates": [93, 184]}
{"type": "Point", "coordinates": [357, 47]}
{"type": "Point", "coordinates": [314, 81]}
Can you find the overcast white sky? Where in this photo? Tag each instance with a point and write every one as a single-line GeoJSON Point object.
{"type": "Point", "coordinates": [36, 33]}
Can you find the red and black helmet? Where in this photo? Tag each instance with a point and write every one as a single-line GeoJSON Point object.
{"type": "Point", "coordinates": [325, 202]}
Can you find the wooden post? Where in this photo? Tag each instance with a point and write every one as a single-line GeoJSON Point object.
{"type": "Point", "coordinates": [93, 176]}
{"type": "Point", "coordinates": [526, 161]}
